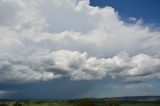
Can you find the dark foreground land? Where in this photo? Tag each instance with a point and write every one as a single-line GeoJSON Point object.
{"type": "Point", "coordinates": [122, 101]}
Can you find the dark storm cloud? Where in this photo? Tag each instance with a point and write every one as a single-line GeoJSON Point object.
{"type": "Point", "coordinates": [54, 89]}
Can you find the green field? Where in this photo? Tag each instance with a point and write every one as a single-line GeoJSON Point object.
{"type": "Point", "coordinates": [83, 103]}
{"type": "Point", "coordinates": [41, 104]}
{"type": "Point", "coordinates": [141, 104]}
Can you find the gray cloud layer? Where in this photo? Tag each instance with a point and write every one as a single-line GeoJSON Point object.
{"type": "Point", "coordinates": [44, 40]}
{"type": "Point", "coordinates": [78, 66]}
{"type": "Point", "coordinates": [3, 93]}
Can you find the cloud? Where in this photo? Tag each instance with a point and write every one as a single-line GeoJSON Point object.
{"type": "Point", "coordinates": [4, 93]}
{"type": "Point", "coordinates": [78, 66]}
{"type": "Point", "coordinates": [50, 39]}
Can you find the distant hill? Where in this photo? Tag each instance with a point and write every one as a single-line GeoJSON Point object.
{"type": "Point", "coordinates": [134, 98]}
{"type": "Point", "coordinates": [127, 98]}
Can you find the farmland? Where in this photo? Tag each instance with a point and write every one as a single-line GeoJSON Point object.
{"type": "Point", "coordinates": [124, 101]}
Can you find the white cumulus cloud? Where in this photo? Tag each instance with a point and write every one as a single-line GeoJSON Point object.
{"type": "Point", "coordinates": [46, 39]}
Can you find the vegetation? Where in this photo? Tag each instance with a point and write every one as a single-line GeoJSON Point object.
{"type": "Point", "coordinates": [86, 102]}
{"type": "Point", "coordinates": [112, 103]}
{"type": "Point", "coordinates": [80, 102]}
{"type": "Point", "coordinates": [3, 104]}
{"type": "Point", "coordinates": [17, 104]}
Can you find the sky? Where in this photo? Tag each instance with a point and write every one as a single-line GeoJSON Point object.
{"type": "Point", "coordinates": [147, 10]}
{"type": "Point", "coordinates": [54, 49]}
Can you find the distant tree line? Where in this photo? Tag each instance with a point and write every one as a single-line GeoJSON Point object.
{"type": "Point", "coordinates": [81, 102]}
{"type": "Point", "coordinates": [89, 102]}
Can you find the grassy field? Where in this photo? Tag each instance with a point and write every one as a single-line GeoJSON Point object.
{"type": "Point", "coordinates": [39, 104]}
{"type": "Point", "coordinates": [140, 104]}
{"type": "Point", "coordinates": [53, 103]}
